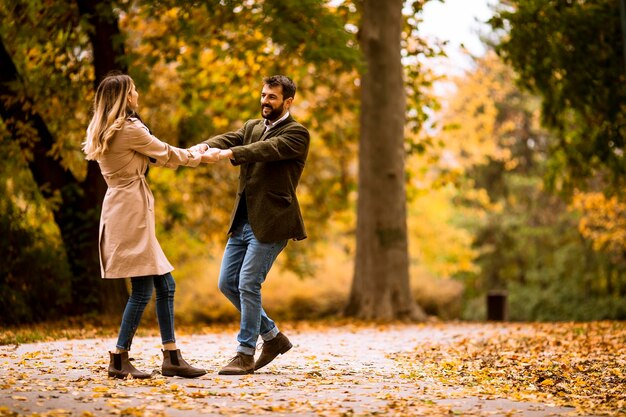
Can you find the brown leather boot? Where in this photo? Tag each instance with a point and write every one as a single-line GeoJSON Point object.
{"type": "Point", "coordinates": [239, 365]}
{"type": "Point", "coordinates": [175, 365]}
{"type": "Point", "coordinates": [272, 348]}
{"type": "Point", "coordinates": [120, 367]}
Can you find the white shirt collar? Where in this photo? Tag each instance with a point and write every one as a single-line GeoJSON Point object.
{"type": "Point", "coordinates": [269, 125]}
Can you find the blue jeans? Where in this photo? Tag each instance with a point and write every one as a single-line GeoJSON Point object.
{"type": "Point", "coordinates": [141, 292]}
{"type": "Point", "coordinates": [245, 265]}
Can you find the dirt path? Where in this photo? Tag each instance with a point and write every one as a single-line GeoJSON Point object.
{"type": "Point", "coordinates": [345, 371]}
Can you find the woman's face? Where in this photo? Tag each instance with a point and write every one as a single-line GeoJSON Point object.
{"type": "Point", "coordinates": [133, 99]}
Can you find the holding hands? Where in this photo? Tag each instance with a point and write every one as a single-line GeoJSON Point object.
{"type": "Point", "coordinates": [211, 155]}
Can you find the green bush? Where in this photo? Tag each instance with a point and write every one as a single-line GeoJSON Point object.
{"type": "Point", "coordinates": [34, 274]}
{"type": "Point", "coordinates": [557, 303]}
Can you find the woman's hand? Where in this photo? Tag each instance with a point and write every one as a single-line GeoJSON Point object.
{"type": "Point", "coordinates": [211, 155]}
{"type": "Point", "coordinates": [199, 148]}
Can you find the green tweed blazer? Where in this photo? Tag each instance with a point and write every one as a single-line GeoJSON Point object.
{"type": "Point", "coordinates": [271, 165]}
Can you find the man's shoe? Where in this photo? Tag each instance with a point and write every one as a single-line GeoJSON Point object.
{"type": "Point", "coordinates": [241, 364]}
{"type": "Point", "coordinates": [272, 348]}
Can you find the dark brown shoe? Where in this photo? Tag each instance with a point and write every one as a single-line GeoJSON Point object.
{"type": "Point", "coordinates": [175, 365]}
{"type": "Point", "coordinates": [241, 364]}
{"type": "Point", "coordinates": [120, 367]}
{"type": "Point", "coordinates": [272, 348]}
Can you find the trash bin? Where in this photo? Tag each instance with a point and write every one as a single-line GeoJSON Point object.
{"type": "Point", "coordinates": [496, 305]}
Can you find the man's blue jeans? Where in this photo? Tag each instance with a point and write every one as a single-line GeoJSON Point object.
{"type": "Point", "coordinates": [141, 292]}
{"type": "Point", "coordinates": [245, 265]}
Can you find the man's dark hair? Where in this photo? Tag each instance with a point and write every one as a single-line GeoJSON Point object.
{"type": "Point", "coordinates": [289, 87]}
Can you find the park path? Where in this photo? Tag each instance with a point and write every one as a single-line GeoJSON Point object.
{"type": "Point", "coordinates": [331, 371]}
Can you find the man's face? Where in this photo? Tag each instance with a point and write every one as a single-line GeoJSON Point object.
{"type": "Point", "coordinates": [272, 104]}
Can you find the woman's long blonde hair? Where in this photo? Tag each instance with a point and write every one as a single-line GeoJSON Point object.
{"type": "Point", "coordinates": [110, 111]}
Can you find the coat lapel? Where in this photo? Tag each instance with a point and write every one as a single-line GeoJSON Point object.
{"type": "Point", "coordinates": [257, 131]}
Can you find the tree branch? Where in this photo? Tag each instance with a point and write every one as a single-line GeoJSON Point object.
{"type": "Point", "coordinates": [21, 119]}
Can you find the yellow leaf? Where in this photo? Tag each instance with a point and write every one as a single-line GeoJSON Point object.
{"type": "Point", "coordinates": [547, 382]}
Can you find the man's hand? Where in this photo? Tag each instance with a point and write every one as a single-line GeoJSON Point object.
{"type": "Point", "coordinates": [226, 153]}
{"type": "Point", "coordinates": [210, 155]}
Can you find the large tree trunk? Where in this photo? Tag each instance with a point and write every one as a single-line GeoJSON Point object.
{"type": "Point", "coordinates": [380, 288]}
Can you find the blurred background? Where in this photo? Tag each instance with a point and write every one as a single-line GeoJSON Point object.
{"type": "Point", "coordinates": [513, 151]}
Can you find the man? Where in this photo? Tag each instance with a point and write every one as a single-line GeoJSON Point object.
{"type": "Point", "coordinates": [271, 153]}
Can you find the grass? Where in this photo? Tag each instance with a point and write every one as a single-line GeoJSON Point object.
{"type": "Point", "coordinates": [201, 309]}
{"type": "Point", "coordinates": [58, 330]}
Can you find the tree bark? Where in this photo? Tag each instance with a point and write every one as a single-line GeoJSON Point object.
{"type": "Point", "coordinates": [105, 37]}
{"type": "Point", "coordinates": [380, 287]}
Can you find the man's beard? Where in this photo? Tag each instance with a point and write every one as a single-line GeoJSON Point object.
{"type": "Point", "coordinates": [274, 114]}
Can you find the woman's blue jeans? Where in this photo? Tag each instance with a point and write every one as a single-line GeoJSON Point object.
{"type": "Point", "coordinates": [245, 265]}
{"type": "Point", "coordinates": [141, 292]}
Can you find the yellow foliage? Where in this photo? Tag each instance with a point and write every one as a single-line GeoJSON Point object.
{"type": "Point", "coordinates": [473, 126]}
{"type": "Point", "coordinates": [436, 244]}
{"type": "Point", "coordinates": [603, 221]}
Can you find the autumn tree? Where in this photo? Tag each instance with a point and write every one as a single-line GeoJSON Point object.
{"type": "Point", "coordinates": [603, 223]}
{"type": "Point", "coordinates": [77, 209]}
{"type": "Point", "coordinates": [54, 57]}
{"type": "Point", "coordinates": [380, 288]}
{"type": "Point", "coordinates": [207, 79]}
{"type": "Point", "coordinates": [570, 53]}
{"type": "Point", "coordinates": [525, 234]}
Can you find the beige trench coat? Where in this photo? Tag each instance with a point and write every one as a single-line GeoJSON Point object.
{"type": "Point", "coordinates": [128, 243]}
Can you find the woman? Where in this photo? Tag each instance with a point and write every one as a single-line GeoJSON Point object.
{"type": "Point", "coordinates": [123, 147]}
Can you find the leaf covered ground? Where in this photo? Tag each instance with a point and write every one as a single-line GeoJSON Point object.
{"type": "Point", "coordinates": [581, 365]}
{"type": "Point", "coordinates": [337, 370]}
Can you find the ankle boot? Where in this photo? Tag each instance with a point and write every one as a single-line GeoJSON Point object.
{"type": "Point", "coordinates": [175, 365]}
{"type": "Point", "coordinates": [241, 364]}
{"type": "Point", "coordinates": [120, 367]}
{"type": "Point", "coordinates": [272, 348]}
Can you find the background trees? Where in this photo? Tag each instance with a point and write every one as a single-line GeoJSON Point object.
{"type": "Point", "coordinates": [48, 45]}
{"type": "Point", "coordinates": [569, 54]}
{"type": "Point", "coordinates": [515, 183]}
{"type": "Point", "coordinates": [56, 55]}
{"type": "Point", "coordinates": [526, 235]}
